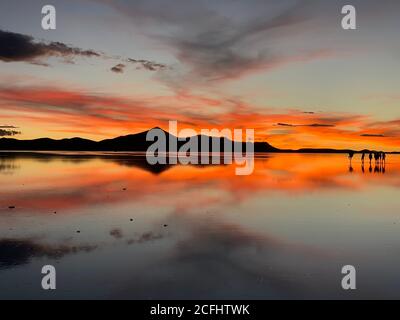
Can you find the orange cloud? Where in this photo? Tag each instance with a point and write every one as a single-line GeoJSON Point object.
{"type": "Point", "coordinates": [55, 110]}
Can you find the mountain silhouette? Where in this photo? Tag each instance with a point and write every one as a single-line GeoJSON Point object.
{"type": "Point", "coordinates": [137, 142]}
{"type": "Point", "coordinates": [132, 142]}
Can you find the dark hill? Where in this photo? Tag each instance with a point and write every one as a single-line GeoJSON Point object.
{"type": "Point", "coordinates": [137, 142]}
{"type": "Point", "coordinates": [132, 142]}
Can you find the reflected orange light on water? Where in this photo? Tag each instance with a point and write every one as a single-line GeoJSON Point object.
{"type": "Point", "coordinates": [69, 182]}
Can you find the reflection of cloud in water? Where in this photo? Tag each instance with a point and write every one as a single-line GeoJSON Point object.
{"type": "Point", "coordinates": [145, 237]}
{"type": "Point", "coordinates": [14, 252]}
{"type": "Point", "coordinates": [211, 259]}
{"type": "Point", "coordinates": [74, 186]}
{"type": "Point", "coordinates": [197, 255]}
{"type": "Point", "coordinates": [116, 233]}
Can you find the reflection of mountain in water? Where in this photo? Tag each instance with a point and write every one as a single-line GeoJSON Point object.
{"type": "Point", "coordinates": [7, 165]}
{"type": "Point", "coordinates": [7, 160]}
{"type": "Point", "coordinates": [140, 162]}
{"type": "Point", "coordinates": [137, 160]}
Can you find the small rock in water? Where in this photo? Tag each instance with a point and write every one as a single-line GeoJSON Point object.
{"type": "Point", "coordinates": [165, 225]}
{"type": "Point", "coordinates": [124, 189]}
{"type": "Point", "coordinates": [131, 219]}
{"type": "Point", "coordinates": [78, 231]}
{"type": "Point", "coordinates": [11, 207]}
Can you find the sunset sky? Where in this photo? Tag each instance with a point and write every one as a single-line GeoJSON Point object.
{"type": "Point", "coordinates": [284, 68]}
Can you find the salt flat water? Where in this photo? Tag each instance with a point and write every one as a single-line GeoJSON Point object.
{"type": "Point", "coordinates": [115, 227]}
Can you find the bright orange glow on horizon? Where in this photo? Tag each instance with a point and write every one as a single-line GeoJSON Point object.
{"type": "Point", "coordinates": [55, 113]}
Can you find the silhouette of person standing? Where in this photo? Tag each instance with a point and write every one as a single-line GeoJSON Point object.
{"type": "Point", "coordinates": [351, 154]}
{"type": "Point", "coordinates": [362, 157]}
{"type": "Point", "coordinates": [370, 157]}
{"type": "Point", "coordinates": [383, 163]}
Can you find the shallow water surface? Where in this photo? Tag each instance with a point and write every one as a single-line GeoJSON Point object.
{"type": "Point", "coordinates": [115, 227]}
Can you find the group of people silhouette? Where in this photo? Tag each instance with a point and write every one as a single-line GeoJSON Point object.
{"type": "Point", "coordinates": [378, 156]}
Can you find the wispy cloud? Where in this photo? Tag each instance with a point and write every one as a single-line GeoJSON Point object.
{"type": "Point", "coordinates": [372, 135]}
{"type": "Point", "coordinates": [119, 68]}
{"type": "Point", "coordinates": [148, 65]}
{"type": "Point", "coordinates": [140, 64]}
{"type": "Point", "coordinates": [8, 131]}
{"type": "Point", "coordinates": [315, 125]}
{"type": "Point", "coordinates": [109, 116]}
{"type": "Point", "coordinates": [212, 45]}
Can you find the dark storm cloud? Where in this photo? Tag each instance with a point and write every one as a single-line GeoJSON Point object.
{"type": "Point", "coordinates": [14, 252]}
{"type": "Point", "coordinates": [19, 47]}
{"type": "Point", "coordinates": [316, 125]}
{"type": "Point", "coordinates": [119, 68]}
